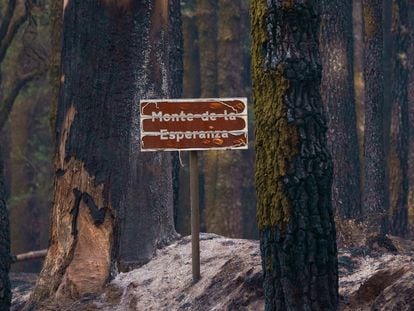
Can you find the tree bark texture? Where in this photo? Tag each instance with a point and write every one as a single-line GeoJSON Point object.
{"type": "Point", "coordinates": [191, 89]}
{"type": "Point", "coordinates": [338, 96]}
{"type": "Point", "coordinates": [5, 257]}
{"type": "Point", "coordinates": [293, 164]}
{"type": "Point", "coordinates": [207, 40]}
{"type": "Point", "coordinates": [358, 43]}
{"type": "Point", "coordinates": [113, 206]}
{"type": "Point", "coordinates": [207, 23]}
{"type": "Point", "coordinates": [375, 189]}
{"type": "Point", "coordinates": [398, 157]}
{"type": "Point", "coordinates": [227, 178]}
{"type": "Point", "coordinates": [411, 120]}
{"type": "Point", "coordinates": [56, 20]}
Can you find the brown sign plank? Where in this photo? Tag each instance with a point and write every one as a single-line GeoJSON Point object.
{"type": "Point", "coordinates": [193, 124]}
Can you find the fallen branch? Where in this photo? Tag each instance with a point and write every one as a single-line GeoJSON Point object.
{"type": "Point", "coordinates": [29, 256]}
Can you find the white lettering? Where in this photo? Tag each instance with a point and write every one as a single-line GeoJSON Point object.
{"type": "Point", "coordinates": [163, 135]}
{"type": "Point", "coordinates": [157, 115]}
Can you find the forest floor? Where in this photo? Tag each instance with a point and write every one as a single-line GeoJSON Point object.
{"type": "Point", "coordinates": [374, 278]}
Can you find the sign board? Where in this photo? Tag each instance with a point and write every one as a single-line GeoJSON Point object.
{"type": "Point", "coordinates": [193, 124]}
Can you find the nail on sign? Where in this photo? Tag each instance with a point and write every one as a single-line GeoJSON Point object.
{"type": "Point", "coordinates": [193, 124]}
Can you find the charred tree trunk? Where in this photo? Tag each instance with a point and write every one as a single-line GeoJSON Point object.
{"type": "Point", "coordinates": [410, 95]}
{"type": "Point", "coordinates": [398, 157]}
{"type": "Point", "coordinates": [113, 206]}
{"type": "Point", "coordinates": [358, 43]}
{"type": "Point", "coordinates": [56, 19]}
{"type": "Point", "coordinates": [5, 258]}
{"type": "Point", "coordinates": [375, 189]}
{"type": "Point", "coordinates": [293, 164]}
{"type": "Point", "coordinates": [207, 20]}
{"type": "Point", "coordinates": [191, 89]}
{"type": "Point", "coordinates": [225, 174]}
{"type": "Point", "coordinates": [338, 96]}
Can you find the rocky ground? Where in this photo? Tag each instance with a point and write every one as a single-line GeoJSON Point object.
{"type": "Point", "coordinates": [371, 278]}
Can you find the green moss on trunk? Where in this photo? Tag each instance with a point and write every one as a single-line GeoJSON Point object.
{"type": "Point", "coordinates": [273, 132]}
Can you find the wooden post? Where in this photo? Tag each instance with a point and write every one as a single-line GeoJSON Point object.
{"type": "Point", "coordinates": [195, 216]}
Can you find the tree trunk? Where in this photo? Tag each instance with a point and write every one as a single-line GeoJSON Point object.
{"type": "Point", "coordinates": [375, 189]}
{"type": "Point", "coordinates": [191, 89]}
{"type": "Point", "coordinates": [293, 165]}
{"type": "Point", "coordinates": [226, 177]}
{"type": "Point", "coordinates": [338, 96]}
{"type": "Point", "coordinates": [5, 258]}
{"type": "Point", "coordinates": [113, 206]}
{"type": "Point", "coordinates": [398, 157]}
{"type": "Point", "coordinates": [26, 216]}
{"type": "Point", "coordinates": [56, 20]}
{"type": "Point", "coordinates": [410, 95]}
{"type": "Point", "coordinates": [358, 44]}
{"type": "Point", "coordinates": [207, 40]}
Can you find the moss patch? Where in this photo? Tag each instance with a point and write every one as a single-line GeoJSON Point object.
{"type": "Point", "coordinates": [277, 141]}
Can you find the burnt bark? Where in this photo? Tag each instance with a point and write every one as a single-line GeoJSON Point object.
{"type": "Point", "coordinates": [191, 89]}
{"type": "Point", "coordinates": [5, 257]}
{"type": "Point", "coordinates": [228, 178]}
{"type": "Point", "coordinates": [207, 23]}
{"type": "Point", "coordinates": [374, 196]}
{"type": "Point", "coordinates": [399, 140]}
{"type": "Point", "coordinates": [410, 96]}
{"type": "Point", "coordinates": [338, 96]}
{"type": "Point", "coordinates": [358, 43]}
{"type": "Point", "coordinates": [113, 206]}
{"type": "Point", "coordinates": [293, 164]}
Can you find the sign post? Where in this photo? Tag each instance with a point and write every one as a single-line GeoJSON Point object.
{"type": "Point", "coordinates": [193, 124]}
{"type": "Point", "coordinates": [195, 215]}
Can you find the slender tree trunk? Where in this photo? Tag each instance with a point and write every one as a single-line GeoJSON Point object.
{"type": "Point", "coordinates": [191, 89]}
{"type": "Point", "coordinates": [207, 20]}
{"type": "Point", "coordinates": [293, 165]}
{"type": "Point", "coordinates": [358, 44]}
{"type": "Point", "coordinates": [375, 189]}
{"type": "Point", "coordinates": [207, 39]}
{"type": "Point", "coordinates": [24, 213]}
{"type": "Point", "coordinates": [398, 158]}
{"type": "Point", "coordinates": [227, 180]}
{"type": "Point", "coordinates": [56, 19]}
{"type": "Point", "coordinates": [410, 95]}
{"type": "Point", "coordinates": [113, 206]}
{"type": "Point", "coordinates": [338, 95]}
{"type": "Point", "coordinates": [5, 291]}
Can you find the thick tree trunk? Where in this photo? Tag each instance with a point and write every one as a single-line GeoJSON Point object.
{"type": "Point", "coordinates": [113, 206]}
{"type": "Point", "coordinates": [398, 157]}
{"type": "Point", "coordinates": [338, 96]}
{"type": "Point", "coordinates": [375, 189]}
{"type": "Point", "coordinates": [5, 291]}
{"type": "Point", "coordinates": [293, 165]}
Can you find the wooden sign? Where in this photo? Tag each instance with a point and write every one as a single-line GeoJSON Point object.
{"type": "Point", "coordinates": [193, 124]}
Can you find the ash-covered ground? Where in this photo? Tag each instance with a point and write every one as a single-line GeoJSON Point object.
{"type": "Point", "coordinates": [375, 277]}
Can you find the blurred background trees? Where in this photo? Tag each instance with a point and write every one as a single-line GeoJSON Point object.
{"type": "Point", "coordinates": [217, 63]}
{"type": "Point", "coordinates": [24, 122]}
